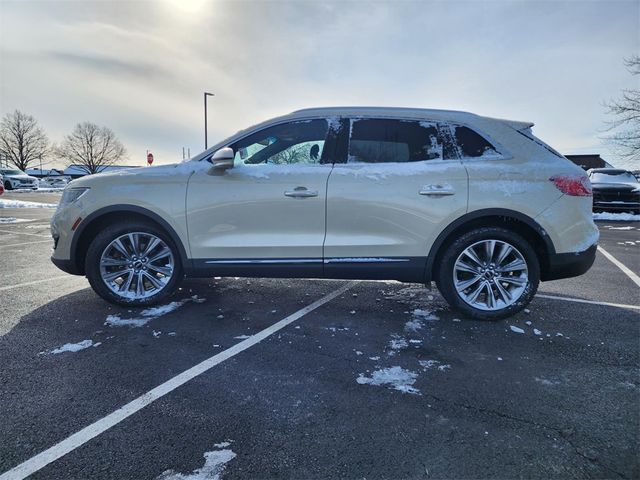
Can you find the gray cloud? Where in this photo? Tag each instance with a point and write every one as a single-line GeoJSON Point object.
{"type": "Point", "coordinates": [109, 65]}
{"type": "Point", "coordinates": [140, 67]}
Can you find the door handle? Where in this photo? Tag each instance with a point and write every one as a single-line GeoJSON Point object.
{"type": "Point", "coordinates": [437, 190]}
{"type": "Point", "coordinates": [301, 192]}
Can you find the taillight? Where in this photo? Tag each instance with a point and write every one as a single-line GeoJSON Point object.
{"type": "Point", "coordinates": [574, 186]}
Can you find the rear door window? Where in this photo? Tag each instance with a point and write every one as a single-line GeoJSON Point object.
{"type": "Point", "coordinates": [374, 140]}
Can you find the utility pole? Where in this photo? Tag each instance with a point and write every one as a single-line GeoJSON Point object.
{"type": "Point", "coordinates": [206, 94]}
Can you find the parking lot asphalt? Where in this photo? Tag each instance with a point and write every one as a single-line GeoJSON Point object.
{"type": "Point", "coordinates": [383, 381]}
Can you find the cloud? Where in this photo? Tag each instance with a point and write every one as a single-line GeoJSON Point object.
{"type": "Point", "coordinates": [141, 67]}
{"type": "Point", "coordinates": [108, 65]}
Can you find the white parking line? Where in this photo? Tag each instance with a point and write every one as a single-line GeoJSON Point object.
{"type": "Point", "coordinates": [620, 265]}
{"type": "Point", "coordinates": [25, 233]}
{"type": "Point", "coordinates": [26, 284]}
{"type": "Point", "coordinates": [83, 436]}
{"type": "Point", "coordinates": [590, 302]}
{"type": "Point", "coordinates": [23, 244]}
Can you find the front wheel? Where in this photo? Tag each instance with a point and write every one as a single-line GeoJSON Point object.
{"type": "Point", "coordinates": [133, 264]}
{"type": "Point", "coordinates": [7, 185]}
{"type": "Point", "coordinates": [489, 273]}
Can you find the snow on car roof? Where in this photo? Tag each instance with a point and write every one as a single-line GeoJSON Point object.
{"type": "Point", "coordinates": [420, 112]}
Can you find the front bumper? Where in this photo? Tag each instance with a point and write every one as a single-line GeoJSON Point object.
{"type": "Point", "coordinates": [67, 266]}
{"type": "Point", "coordinates": [616, 206]}
{"type": "Point", "coordinates": [566, 265]}
{"type": "Point", "coordinates": [26, 184]}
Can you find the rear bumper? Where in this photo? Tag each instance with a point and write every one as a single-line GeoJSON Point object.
{"type": "Point", "coordinates": [565, 265]}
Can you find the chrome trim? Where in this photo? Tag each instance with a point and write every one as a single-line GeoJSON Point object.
{"type": "Point", "coordinates": [267, 261]}
{"type": "Point", "coordinates": [293, 261]}
{"type": "Point", "coordinates": [365, 260]}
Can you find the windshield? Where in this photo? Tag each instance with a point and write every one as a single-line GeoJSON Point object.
{"type": "Point", "coordinates": [622, 177]}
{"type": "Point", "coordinates": [11, 172]}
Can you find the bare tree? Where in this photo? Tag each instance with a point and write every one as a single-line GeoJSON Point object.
{"type": "Point", "coordinates": [626, 126]}
{"type": "Point", "coordinates": [291, 155]}
{"type": "Point", "coordinates": [92, 147]}
{"type": "Point", "coordinates": [22, 141]}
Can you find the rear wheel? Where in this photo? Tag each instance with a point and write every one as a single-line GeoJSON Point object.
{"type": "Point", "coordinates": [134, 264]}
{"type": "Point", "coordinates": [489, 273]}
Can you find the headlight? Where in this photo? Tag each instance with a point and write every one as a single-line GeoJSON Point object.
{"type": "Point", "coordinates": [70, 195]}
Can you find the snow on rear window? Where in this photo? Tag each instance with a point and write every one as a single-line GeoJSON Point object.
{"type": "Point", "coordinates": [471, 144]}
{"type": "Point", "coordinates": [393, 141]}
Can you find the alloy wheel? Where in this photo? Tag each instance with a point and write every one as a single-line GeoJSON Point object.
{"type": "Point", "coordinates": [137, 265]}
{"type": "Point", "coordinates": [490, 275]}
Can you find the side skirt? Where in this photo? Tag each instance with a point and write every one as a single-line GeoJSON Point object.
{"type": "Point", "coordinates": [404, 269]}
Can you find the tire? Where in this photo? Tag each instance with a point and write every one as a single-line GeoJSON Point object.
{"type": "Point", "coordinates": [7, 185]}
{"type": "Point", "coordinates": [502, 292]}
{"type": "Point", "coordinates": [106, 259]}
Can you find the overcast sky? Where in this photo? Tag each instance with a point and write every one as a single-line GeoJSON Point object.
{"type": "Point", "coordinates": [140, 67]}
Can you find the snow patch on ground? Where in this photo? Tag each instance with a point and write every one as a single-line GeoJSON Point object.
{"type": "Point", "coordinates": [516, 329]}
{"type": "Point", "coordinates": [71, 347]}
{"type": "Point", "coordinates": [162, 309]}
{"type": "Point", "coordinates": [15, 220]}
{"type": "Point", "coordinates": [430, 364]}
{"type": "Point", "coordinates": [413, 325]}
{"type": "Point", "coordinates": [544, 381]}
{"type": "Point", "coordinates": [419, 317]}
{"type": "Point", "coordinates": [242, 337]}
{"type": "Point", "coordinates": [396, 344]}
{"type": "Point", "coordinates": [145, 315]}
{"type": "Point", "coordinates": [619, 217]}
{"type": "Point", "coordinates": [4, 203]}
{"type": "Point", "coordinates": [611, 227]}
{"type": "Point", "coordinates": [338, 329]}
{"type": "Point", "coordinates": [396, 378]}
{"type": "Point", "coordinates": [424, 314]}
{"type": "Point", "coordinates": [214, 464]}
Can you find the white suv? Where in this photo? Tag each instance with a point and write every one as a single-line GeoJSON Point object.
{"type": "Point", "coordinates": [476, 204]}
{"type": "Point", "coordinates": [13, 178]}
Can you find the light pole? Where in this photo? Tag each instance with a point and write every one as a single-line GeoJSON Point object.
{"type": "Point", "coordinates": [206, 94]}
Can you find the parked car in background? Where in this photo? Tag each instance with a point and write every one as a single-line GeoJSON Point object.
{"type": "Point", "coordinates": [14, 178]}
{"type": "Point", "coordinates": [615, 190]}
{"type": "Point", "coordinates": [55, 181]}
{"type": "Point", "coordinates": [478, 205]}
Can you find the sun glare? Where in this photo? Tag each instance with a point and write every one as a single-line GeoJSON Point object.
{"type": "Point", "coordinates": [187, 6]}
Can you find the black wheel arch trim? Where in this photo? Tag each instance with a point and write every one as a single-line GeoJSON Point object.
{"type": "Point", "coordinates": [478, 214]}
{"type": "Point", "coordinates": [124, 208]}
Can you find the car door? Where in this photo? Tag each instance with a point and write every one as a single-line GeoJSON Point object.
{"type": "Point", "coordinates": [266, 215]}
{"type": "Point", "coordinates": [400, 185]}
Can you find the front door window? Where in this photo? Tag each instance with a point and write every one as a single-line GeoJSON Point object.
{"type": "Point", "coordinates": [291, 143]}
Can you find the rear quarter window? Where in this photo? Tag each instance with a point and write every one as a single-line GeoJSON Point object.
{"type": "Point", "coordinates": [471, 144]}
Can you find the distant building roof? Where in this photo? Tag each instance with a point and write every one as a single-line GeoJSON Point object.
{"type": "Point", "coordinates": [592, 160]}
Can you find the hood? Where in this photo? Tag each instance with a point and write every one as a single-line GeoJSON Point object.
{"type": "Point", "coordinates": [172, 172]}
{"type": "Point", "coordinates": [21, 175]}
{"type": "Point", "coordinates": [622, 187]}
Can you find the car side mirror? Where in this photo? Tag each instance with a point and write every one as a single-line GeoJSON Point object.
{"type": "Point", "coordinates": [222, 159]}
